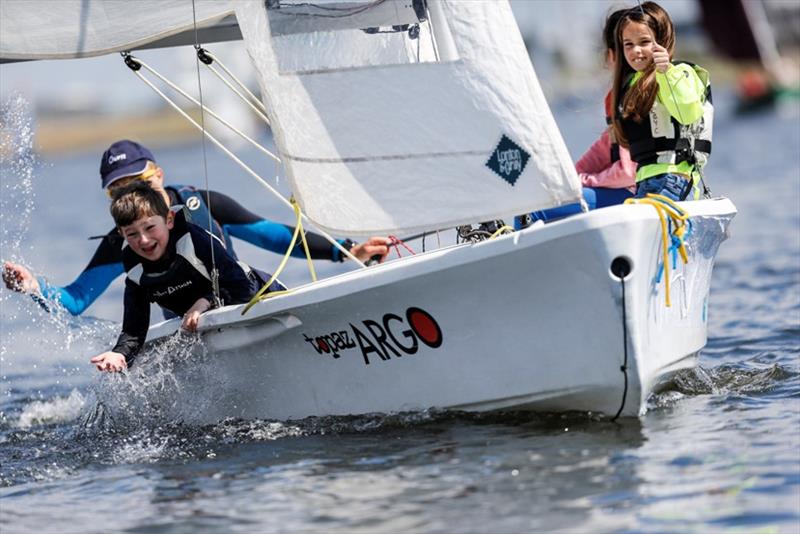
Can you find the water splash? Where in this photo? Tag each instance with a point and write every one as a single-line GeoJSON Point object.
{"type": "Point", "coordinates": [18, 164]}
{"type": "Point", "coordinates": [153, 391]}
{"type": "Point", "coordinates": [41, 354]}
{"type": "Point", "coordinates": [755, 377]}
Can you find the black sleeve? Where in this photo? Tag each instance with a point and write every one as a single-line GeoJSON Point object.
{"type": "Point", "coordinates": [135, 322]}
{"type": "Point", "coordinates": [227, 212]}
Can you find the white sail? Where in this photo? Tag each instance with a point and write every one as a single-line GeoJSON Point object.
{"type": "Point", "coordinates": [381, 133]}
{"type": "Point", "coordinates": [60, 29]}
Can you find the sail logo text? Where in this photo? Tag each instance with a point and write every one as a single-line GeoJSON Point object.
{"type": "Point", "coordinates": [393, 335]}
{"type": "Point", "coordinates": [508, 160]}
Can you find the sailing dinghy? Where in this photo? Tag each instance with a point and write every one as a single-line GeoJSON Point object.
{"type": "Point", "coordinates": [405, 116]}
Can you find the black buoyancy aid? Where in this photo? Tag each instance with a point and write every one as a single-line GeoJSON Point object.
{"type": "Point", "coordinates": [660, 138]}
{"type": "Point", "coordinates": [198, 213]}
{"type": "Point", "coordinates": [614, 150]}
{"type": "Point", "coordinates": [609, 107]}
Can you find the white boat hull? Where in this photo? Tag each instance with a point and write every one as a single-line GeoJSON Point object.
{"type": "Point", "coordinates": [529, 321]}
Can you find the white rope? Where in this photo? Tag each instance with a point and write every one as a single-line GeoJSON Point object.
{"type": "Point", "coordinates": [211, 112]}
{"type": "Point", "coordinates": [244, 88]}
{"type": "Point", "coordinates": [240, 95]}
{"type": "Point", "coordinates": [247, 169]}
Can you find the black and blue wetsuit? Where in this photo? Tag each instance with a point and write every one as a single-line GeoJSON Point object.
{"type": "Point", "coordinates": [229, 219]}
{"type": "Point", "coordinates": [178, 279]}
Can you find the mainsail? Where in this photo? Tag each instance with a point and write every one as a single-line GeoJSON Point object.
{"type": "Point", "coordinates": [62, 29]}
{"type": "Point", "coordinates": [404, 128]}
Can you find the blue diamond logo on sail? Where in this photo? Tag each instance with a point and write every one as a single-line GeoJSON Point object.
{"type": "Point", "coordinates": [508, 160]}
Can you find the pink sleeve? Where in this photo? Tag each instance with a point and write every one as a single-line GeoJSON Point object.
{"type": "Point", "coordinates": [596, 169]}
{"type": "Point", "coordinates": [597, 157]}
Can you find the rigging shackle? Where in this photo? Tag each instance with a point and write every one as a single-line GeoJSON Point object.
{"type": "Point", "coordinates": [131, 61]}
{"type": "Point", "coordinates": [203, 56]}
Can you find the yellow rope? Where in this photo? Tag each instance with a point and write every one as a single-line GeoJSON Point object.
{"type": "Point", "coordinates": [298, 230]}
{"type": "Point", "coordinates": [502, 229]}
{"type": "Point", "coordinates": [666, 207]}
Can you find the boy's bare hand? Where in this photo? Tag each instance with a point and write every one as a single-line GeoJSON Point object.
{"type": "Point", "coordinates": [192, 317]}
{"type": "Point", "coordinates": [374, 246]}
{"type": "Point", "coordinates": [18, 278]}
{"type": "Point", "coordinates": [111, 362]}
{"type": "Point", "coordinates": [660, 58]}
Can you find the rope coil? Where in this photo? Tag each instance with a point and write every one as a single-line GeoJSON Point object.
{"type": "Point", "coordinates": [675, 228]}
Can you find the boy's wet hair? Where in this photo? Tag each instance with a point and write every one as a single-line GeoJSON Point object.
{"type": "Point", "coordinates": [136, 200]}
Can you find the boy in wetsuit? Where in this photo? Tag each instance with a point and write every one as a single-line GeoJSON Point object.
{"type": "Point", "coordinates": [168, 261]}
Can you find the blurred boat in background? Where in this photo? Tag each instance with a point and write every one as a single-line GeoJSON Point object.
{"type": "Point", "coordinates": [764, 35]}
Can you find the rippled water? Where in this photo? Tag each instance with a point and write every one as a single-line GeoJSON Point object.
{"type": "Point", "coordinates": [718, 452]}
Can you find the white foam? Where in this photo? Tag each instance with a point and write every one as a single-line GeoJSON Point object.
{"type": "Point", "coordinates": [58, 410]}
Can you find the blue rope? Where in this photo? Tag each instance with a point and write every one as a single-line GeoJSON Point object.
{"type": "Point", "coordinates": [675, 245]}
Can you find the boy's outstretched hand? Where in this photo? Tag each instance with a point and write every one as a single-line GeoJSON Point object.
{"type": "Point", "coordinates": [111, 362]}
{"type": "Point", "coordinates": [660, 58]}
{"type": "Point", "coordinates": [192, 316]}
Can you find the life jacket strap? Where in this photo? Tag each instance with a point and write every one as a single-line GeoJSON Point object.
{"type": "Point", "coordinates": [646, 148]}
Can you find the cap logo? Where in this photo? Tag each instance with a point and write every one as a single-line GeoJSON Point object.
{"type": "Point", "coordinates": [113, 159]}
{"type": "Point", "coordinates": [193, 203]}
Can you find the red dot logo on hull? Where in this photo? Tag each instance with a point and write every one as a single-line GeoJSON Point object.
{"type": "Point", "coordinates": [425, 326]}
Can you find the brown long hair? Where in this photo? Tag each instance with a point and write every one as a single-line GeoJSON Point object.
{"type": "Point", "coordinates": [639, 98]}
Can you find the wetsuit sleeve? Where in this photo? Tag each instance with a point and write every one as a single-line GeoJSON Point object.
{"type": "Point", "coordinates": [104, 267]}
{"type": "Point", "coordinates": [682, 91]}
{"type": "Point", "coordinates": [597, 170]}
{"type": "Point", "coordinates": [135, 322]}
{"type": "Point", "coordinates": [234, 283]}
{"type": "Point", "coordinates": [269, 235]}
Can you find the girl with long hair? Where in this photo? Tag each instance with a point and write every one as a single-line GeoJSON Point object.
{"type": "Point", "coordinates": [662, 110]}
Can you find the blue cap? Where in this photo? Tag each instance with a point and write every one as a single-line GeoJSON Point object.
{"type": "Point", "coordinates": [122, 159]}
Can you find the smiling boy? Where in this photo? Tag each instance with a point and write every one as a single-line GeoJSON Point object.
{"type": "Point", "coordinates": [168, 261]}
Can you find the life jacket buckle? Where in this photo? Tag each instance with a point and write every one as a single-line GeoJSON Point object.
{"type": "Point", "coordinates": [684, 151]}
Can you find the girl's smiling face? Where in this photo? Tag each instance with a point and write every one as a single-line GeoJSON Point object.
{"type": "Point", "coordinates": [637, 45]}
